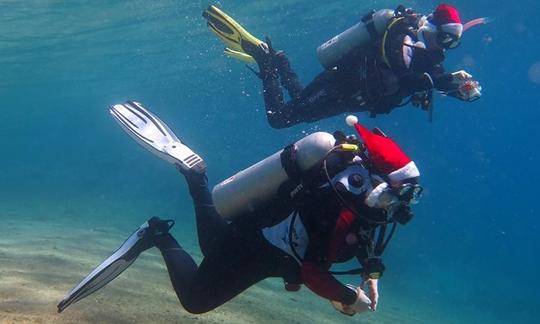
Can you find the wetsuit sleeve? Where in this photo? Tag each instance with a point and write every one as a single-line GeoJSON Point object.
{"type": "Point", "coordinates": [315, 275]}
{"type": "Point", "coordinates": [441, 81]}
{"type": "Point", "coordinates": [321, 282]}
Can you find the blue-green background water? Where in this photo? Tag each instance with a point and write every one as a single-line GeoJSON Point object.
{"type": "Point", "coordinates": [470, 255]}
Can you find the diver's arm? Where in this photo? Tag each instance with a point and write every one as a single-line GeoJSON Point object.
{"type": "Point", "coordinates": [416, 82]}
{"type": "Point", "coordinates": [372, 286]}
{"type": "Point", "coordinates": [315, 275]}
{"type": "Point", "coordinates": [373, 269]}
{"type": "Point", "coordinates": [369, 257]}
{"type": "Point", "coordinates": [322, 283]}
{"type": "Point", "coordinates": [434, 78]}
{"type": "Point", "coordinates": [442, 81]}
{"type": "Point", "coordinates": [462, 86]}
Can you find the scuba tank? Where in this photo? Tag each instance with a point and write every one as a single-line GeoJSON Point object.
{"type": "Point", "coordinates": [368, 29]}
{"type": "Point", "coordinates": [258, 185]}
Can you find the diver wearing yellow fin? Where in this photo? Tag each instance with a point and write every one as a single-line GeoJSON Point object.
{"type": "Point", "coordinates": [387, 60]}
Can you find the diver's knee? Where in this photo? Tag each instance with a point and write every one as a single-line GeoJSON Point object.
{"type": "Point", "coordinates": [196, 309]}
{"type": "Point", "coordinates": [276, 122]}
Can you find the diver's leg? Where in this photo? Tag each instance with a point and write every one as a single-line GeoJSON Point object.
{"type": "Point", "coordinates": [320, 99]}
{"type": "Point", "coordinates": [278, 113]}
{"type": "Point", "coordinates": [180, 265]}
{"type": "Point", "coordinates": [289, 78]}
{"type": "Point", "coordinates": [211, 228]}
{"type": "Point", "coordinates": [224, 273]}
{"type": "Point", "coordinates": [269, 73]}
{"type": "Point", "coordinates": [272, 94]}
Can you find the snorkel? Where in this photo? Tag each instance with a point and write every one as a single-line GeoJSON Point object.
{"type": "Point", "coordinates": [476, 22]}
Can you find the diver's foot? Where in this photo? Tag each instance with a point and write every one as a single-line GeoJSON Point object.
{"type": "Point", "coordinates": [260, 53]}
{"type": "Point", "coordinates": [191, 161]}
{"type": "Point", "coordinates": [264, 54]}
{"type": "Point", "coordinates": [281, 61]}
{"type": "Point", "coordinates": [158, 226]}
{"type": "Point", "coordinates": [151, 231]}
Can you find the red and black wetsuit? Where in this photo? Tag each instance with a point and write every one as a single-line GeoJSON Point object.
{"type": "Point", "coordinates": [315, 273]}
{"type": "Point", "coordinates": [238, 255]}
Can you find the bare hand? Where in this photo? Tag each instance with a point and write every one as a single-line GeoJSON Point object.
{"type": "Point", "coordinates": [372, 286]}
{"type": "Point", "coordinates": [460, 76]}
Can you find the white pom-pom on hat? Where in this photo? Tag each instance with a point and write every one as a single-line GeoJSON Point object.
{"type": "Point", "coordinates": [351, 120]}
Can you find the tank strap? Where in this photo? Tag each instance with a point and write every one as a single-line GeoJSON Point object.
{"type": "Point", "coordinates": [370, 25]}
{"type": "Point", "coordinates": [289, 163]}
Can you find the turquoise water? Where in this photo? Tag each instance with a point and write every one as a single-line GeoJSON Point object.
{"type": "Point", "coordinates": [66, 167]}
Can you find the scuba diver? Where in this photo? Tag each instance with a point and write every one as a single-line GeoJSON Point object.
{"type": "Point", "coordinates": [389, 59]}
{"type": "Point", "coordinates": [322, 200]}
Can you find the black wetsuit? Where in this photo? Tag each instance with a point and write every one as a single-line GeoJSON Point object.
{"type": "Point", "coordinates": [237, 255]}
{"type": "Point", "coordinates": [234, 258]}
{"type": "Point", "coordinates": [363, 81]}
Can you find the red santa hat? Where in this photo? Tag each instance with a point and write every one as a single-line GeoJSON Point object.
{"type": "Point", "coordinates": [387, 157]}
{"type": "Point", "coordinates": [446, 17]}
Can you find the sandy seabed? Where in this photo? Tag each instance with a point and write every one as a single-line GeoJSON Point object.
{"type": "Point", "coordinates": [43, 257]}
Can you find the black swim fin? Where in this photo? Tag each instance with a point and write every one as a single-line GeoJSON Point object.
{"type": "Point", "coordinates": [142, 239]}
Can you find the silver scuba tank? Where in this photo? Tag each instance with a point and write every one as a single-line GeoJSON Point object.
{"type": "Point", "coordinates": [335, 49]}
{"type": "Point", "coordinates": [258, 185]}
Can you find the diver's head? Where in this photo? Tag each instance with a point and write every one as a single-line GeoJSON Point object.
{"type": "Point", "coordinates": [395, 175]}
{"type": "Point", "coordinates": [442, 29]}
{"type": "Point", "coordinates": [396, 201]}
{"type": "Point", "coordinates": [385, 156]}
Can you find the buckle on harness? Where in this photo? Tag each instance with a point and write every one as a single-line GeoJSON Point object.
{"type": "Point", "coordinates": [370, 25]}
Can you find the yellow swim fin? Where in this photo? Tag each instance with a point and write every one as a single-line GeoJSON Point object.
{"type": "Point", "coordinates": [239, 55]}
{"type": "Point", "coordinates": [240, 43]}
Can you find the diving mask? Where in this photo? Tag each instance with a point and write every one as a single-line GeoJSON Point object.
{"type": "Point", "coordinates": [448, 40]}
{"type": "Point", "coordinates": [384, 196]}
{"type": "Point", "coordinates": [381, 197]}
{"type": "Point", "coordinates": [410, 193]}
{"type": "Point", "coordinates": [396, 202]}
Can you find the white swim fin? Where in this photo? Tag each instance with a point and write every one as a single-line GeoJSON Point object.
{"type": "Point", "coordinates": [154, 135]}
